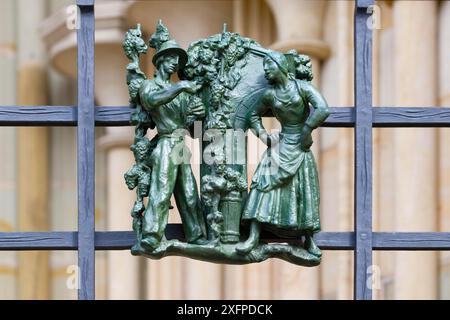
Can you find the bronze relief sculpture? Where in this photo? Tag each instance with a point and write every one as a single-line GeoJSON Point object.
{"type": "Point", "coordinates": [227, 83]}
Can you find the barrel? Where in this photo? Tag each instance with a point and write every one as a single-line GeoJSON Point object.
{"type": "Point", "coordinates": [231, 208]}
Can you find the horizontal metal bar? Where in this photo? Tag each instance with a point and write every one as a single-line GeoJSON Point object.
{"type": "Point", "coordinates": [402, 241]}
{"type": "Point", "coordinates": [85, 2]}
{"type": "Point", "coordinates": [335, 240]}
{"type": "Point", "coordinates": [112, 116]}
{"type": "Point", "coordinates": [407, 241]}
{"type": "Point", "coordinates": [411, 117]}
{"type": "Point", "coordinates": [118, 240]}
{"type": "Point", "coordinates": [38, 240]}
{"type": "Point", "coordinates": [119, 116]}
{"type": "Point", "coordinates": [105, 116]}
{"type": "Point", "coordinates": [340, 117]}
{"type": "Point", "coordinates": [123, 240]}
{"type": "Point", "coordinates": [364, 3]}
{"type": "Point", "coordinates": [38, 116]}
{"type": "Point", "coordinates": [61, 116]}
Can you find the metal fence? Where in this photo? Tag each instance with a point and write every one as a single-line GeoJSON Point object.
{"type": "Point", "coordinates": [362, 117]}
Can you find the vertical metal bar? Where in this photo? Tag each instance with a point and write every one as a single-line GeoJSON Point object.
{"type": "Point", "coordinates": [85, 154]}
{"type": "Point", "coordinates": [363, 152]}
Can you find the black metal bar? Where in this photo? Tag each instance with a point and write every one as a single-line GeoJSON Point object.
{"type": "Point", "coordinates": [118, 240]}
{"type": "Point", "coordinates": [38, 116]}
{"type": "Point", "coordinates": [120, 116]}
{"type": "Point", "coordinates": [123, 240]}
{"type": "Point", "coordinates": [363, 4]}
{"type": "Point", "coordinates": [411, 241]}
{"type": "Point", "coordinates": [112, 116]}
{"type": "Point", "coordinates": [340, 117]}
{"type": "Point", "coordinates": [363, 153]}
{"type": "Point", "coordinates": [411, 117]}
{"type": "Point", "coordinates": [404, 241]}
{"type": "Point", "coordinates": [38, 241]}
{"type": "Point", "coordinates": [86, 153]}
{"type": "Point", "coordinates": [85, 2]}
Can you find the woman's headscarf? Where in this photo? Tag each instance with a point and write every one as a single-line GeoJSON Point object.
{"type": "Point", "coordinates": [280, 60]}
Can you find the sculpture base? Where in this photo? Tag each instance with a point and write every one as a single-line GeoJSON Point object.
{"type": "Point", "coordinates": [226, 253]}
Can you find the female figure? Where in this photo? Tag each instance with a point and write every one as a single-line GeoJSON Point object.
{"type": "Point", "coordinates": [284, 196]}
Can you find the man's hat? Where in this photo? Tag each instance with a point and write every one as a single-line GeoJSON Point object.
{"type": "Point", "coordinates": [168, 47]}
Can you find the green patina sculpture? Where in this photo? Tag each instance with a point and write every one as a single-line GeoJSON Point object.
{"type": "Point", "coordinates": [227, 82]}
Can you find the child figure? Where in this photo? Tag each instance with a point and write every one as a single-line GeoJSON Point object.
{"type": "Point", "coordinates": [139, 177]}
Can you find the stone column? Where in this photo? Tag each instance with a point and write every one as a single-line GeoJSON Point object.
{"type": "Point", "coordinates": [415, 52]}
{"type": "Point", "coordinates": [122, 268]}
{"type": "Point", "coordinates": [444, 142]}
{"type": "Point", "coordinates": [336, 146]}
{"type": "Point", "coordinates": [254, 19]}
{"type": "Point", "coordinates": [8, 170]}
{"type": "Point", "coordinates": [32, 148]}
{"type": "Point", "coordinates": [62, 204]}
{"type": "Point", "coordinates": [299, 26]}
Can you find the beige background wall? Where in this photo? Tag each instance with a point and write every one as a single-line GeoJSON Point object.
{"type": "Point", "coordinates": [411, 166]}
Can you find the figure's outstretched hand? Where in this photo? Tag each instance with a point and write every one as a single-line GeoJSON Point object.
{"type": "Point", "coordinates": [189, 86]}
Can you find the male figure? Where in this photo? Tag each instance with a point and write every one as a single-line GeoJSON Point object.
{"type": "Point", "coordinates": [169, 104]}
